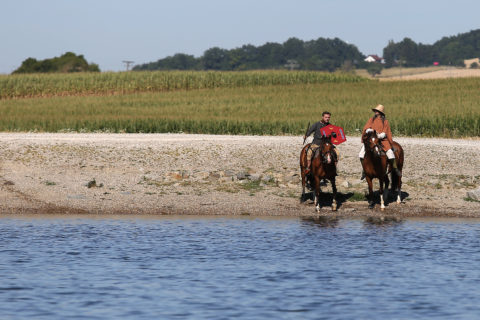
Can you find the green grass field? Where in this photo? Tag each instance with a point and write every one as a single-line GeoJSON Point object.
{"type": "Point", "coordinates": [266, 102]}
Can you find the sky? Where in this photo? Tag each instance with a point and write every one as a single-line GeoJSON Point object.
{"type": "Point", "coordinates": [108, 32]}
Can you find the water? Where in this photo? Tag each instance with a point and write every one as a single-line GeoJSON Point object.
{"type": "Point", "coordinates": [224, 268]}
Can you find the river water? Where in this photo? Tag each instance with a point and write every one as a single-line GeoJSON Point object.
{"type": "Point", "coordinates": [105, 267]}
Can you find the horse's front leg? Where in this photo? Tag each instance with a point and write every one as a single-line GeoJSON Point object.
{"type": "Point", "coordinates": [334, 190]}
{"type": "Point", "coordinates": [317, 193]}
{"type": "Point", "coordinates": [371, 203]}
{"type": "Point", "coordinates": [382, 203]}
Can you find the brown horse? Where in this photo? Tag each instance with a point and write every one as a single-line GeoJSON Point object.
{"type": "Point", "coordinates": [323, 167]}
{"type": "Point", "coordinates": [375, 165]}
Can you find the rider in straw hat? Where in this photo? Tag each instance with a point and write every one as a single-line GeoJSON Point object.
{"type": "Point", "coordinates": [380, 124]}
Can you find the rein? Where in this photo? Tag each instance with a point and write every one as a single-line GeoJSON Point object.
{"type": "Point", "coordinates": [323, 155]}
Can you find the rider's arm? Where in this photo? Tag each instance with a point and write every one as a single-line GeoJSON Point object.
{"type": "Point", "coordinates": [367, 126]}
{"type": "Point", "coordinates": [312, 129]}
{"type": "Point", "coordinates": [388, 132]}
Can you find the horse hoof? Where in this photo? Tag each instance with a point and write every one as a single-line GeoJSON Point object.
{"type": "Point", "coordinates": [334, 208]}
{"type": "Point", "coordinates": [382, 209]}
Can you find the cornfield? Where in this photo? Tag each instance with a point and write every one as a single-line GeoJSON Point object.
{"type": "Point", "coordinates": [46, 85]}
{"type": "Point", "coordinates": [276, 103]}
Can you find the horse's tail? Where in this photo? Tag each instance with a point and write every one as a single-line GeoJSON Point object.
{"type": "Point", "coordinates": [400, 158]}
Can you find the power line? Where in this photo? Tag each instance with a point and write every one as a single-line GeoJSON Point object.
{"type": "Point", "coordinates": [128, 63]}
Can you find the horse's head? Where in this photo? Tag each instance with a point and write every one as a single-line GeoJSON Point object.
{"type": "Point", "coordinates": [326, 150]}
{"type": "Point", "coordinates": [372, 143]}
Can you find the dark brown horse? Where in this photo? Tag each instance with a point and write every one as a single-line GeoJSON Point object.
{"type": "Point", "coordinates": [323, 167]}
{"type": "Point", "coordinates": [375, 165]}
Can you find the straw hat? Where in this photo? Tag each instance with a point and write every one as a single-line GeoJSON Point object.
{"type": "Point", "coordinates": [380, 109]}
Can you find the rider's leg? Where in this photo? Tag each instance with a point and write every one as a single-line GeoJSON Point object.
{"type": "Point", "coordinates": [393, 162]}
{"type": "Point", "coordinates": [361, 155]}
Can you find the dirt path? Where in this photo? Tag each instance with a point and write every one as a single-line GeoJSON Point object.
{"type": "Point", "coordinates": [208, 174]}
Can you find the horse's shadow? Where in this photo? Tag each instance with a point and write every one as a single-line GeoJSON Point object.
{"type": "Point", "coordinates": [326, 198]}
{"type": "Point", "coordinates": [391, 197]}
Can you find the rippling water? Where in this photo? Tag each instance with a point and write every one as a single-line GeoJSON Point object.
{"type": "Point", "coordinates": [223, 268]}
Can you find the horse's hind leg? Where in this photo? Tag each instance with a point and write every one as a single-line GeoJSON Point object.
{"type": "Point", "coordinates": [302, 198]}
{"type": "Point", "coordinates": [399, 188]}
{"type": "Point", "coordinates": [386, 191]}
{"type": "Point", "coordinates": [382, 203]}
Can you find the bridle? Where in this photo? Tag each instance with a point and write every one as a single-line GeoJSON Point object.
{"type": "Point", "coordinates": [377, 148]}
{"type": "Point", "coordinates": [326, 156]}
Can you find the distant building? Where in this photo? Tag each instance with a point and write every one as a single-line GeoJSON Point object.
{"type": "Point", "coordinates": [469, 62]}
{"type": "Point", "coordinates": [374, 58]}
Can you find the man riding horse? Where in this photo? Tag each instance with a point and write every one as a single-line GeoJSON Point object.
{"type": "Point", "coordinates": [380, 124]}
{"type": "Point", "coordinates": [317, 138]}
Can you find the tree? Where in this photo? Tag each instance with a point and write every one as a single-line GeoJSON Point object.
{"type": "Point", "coordinates": [68, 62]}
{"type": "Point", "coordinates": [374, 68]}
{"type": "Point", "coordinates": [215, 59]}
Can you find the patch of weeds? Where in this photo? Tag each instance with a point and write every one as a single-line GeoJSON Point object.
{"type": "Point", "coordinates": [150, 193]}
{"type": "Point", "coordinates": [470, 199]}
{"type": "Point", "coordinates": [357, 196]}
{"type": "Point", "coordinates": [438, 185]}
{"type": "Point", "coordinates": [50, 183]}
{"type": "Point", "coordinates": [93, 183]}
{"type": "Point", "coordinates": [252, 186]}
{"type": "Point", "coordinates": [226, 188]}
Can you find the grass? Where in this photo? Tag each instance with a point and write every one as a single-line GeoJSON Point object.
{"type": "Point", "coordinates": [262, 103]}
{"type": "Point", "coordinates": [356, 196]}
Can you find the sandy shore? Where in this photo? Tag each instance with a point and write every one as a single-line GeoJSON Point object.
{"type": "Point", "coordinates": [216, 175]}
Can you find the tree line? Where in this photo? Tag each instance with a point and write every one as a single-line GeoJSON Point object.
{"type": "Point", "coordinates": [447, 51]}
{"type": "Point", "coordinates": [68, 62]}
{"type": "Point", "coordinates": [321, 54]}
{"type": "Point", "coordinates": [324, 54]}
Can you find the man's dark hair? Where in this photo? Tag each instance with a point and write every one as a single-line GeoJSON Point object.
{"type": "Point", "coordinates": [326, 112]}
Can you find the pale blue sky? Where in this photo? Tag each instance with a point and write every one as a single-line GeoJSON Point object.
{"type": "Point", "coordinates": [109, 31]}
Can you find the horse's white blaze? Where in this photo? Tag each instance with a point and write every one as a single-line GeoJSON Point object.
{"type": "Point", "coordinates": [373, 140]}
{"type": "Point", "coordinates": [376, 149]}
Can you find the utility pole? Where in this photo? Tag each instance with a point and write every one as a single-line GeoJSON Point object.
{"type": "Point", "coordinates": [128, 63]}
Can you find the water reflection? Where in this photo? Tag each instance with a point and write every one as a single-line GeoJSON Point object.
{"type": "Point", "coordinates": [321, 221]}
{"type": "Point", "coordinates": [383, 221]}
